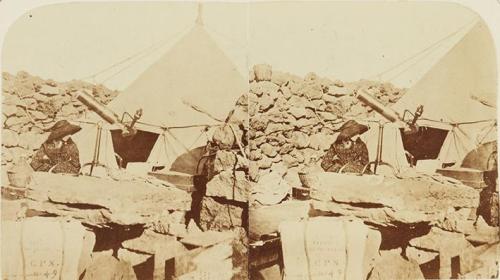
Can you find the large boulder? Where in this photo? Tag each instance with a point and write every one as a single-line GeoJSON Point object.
{"type": "Point", "coordinates": [443, 242]}
{"type": "Point", "coordinates": [104, 267]}
{"type": "Point", "coordinates": [218, 215]}
{"type": "Point", "coordinates": [391, 265]}
{"type": "Point", "coordinates": [229, 185]}
{"type": "Point", "coordinates": [224, 160]}
{"type": "Point", "coordinates": [271, 188]}
{"type": "Point", "coordinates": [224, 137]}
{"type": "Point", "coordinates": [263, 72]}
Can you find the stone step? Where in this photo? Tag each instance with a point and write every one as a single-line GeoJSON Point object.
{"type": "Point", "coordinates": [183, 181]}
{"type": "Point", "coordinates": [468, 176]}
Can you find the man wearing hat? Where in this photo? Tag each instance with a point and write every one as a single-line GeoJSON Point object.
{"type": "Point", "coordinates": [58, 154]}
{"type": "Point", "coordinates": [345, 153]}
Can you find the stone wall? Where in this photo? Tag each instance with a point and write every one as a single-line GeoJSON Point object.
{"type": "Point", "coordinates": [31, 104]}
{"type": "Point", "coordinates": [293, 119]}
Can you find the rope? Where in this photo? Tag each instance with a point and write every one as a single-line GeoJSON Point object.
{"type": "Point", "coordinates": [429, 47]}
{"type": "Point", "coordinates": [165, 147]}
{"type": "Point", "coordinates": [197, 138]}
{"type": "Point", "coordinates": [148, 50]}
{"type": "Point", "coordinates": [458, 123]}
{"type": "Point", "coordinates": [138, 59]}
{"type": "Point", "coordinates": [491, 127]}
{"type": "Point", "coordinates": [455, 143]}
{"type": "Point", "coordinates": [166, 127]}
{"type": "Point", "coordinates": [238, 142]}
{"type": "Point", "coordinates": [413, 64]}
{"type": "Point", "coordinates": [180, 142]}
{"type": "Point", "coordinates": [430, 120]}
{"type": "Point", "coordinates": [441, 155]}
{"type": "Point", "coordinates": [200, 110]}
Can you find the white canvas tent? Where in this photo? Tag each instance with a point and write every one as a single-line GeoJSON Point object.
{"type": "Point", "coordinates": [392, 149]}
{"type": "Point", "coordinates": [184, 95]}
{"type": "Point", "coordinates": [459, 95]}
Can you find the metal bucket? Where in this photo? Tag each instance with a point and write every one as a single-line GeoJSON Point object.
{"type": "Point", "coordinates": [18, 179]}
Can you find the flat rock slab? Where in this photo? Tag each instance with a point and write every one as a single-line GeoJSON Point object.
{"type": "Point", "coordinates": [480, 262]}
{"type": "Point", "coordinates": [266, 219]}
{"type": "Point", "coordinates": [413, 194]}
{"type": "Point", "coordinates": [408, 200]}
{"type": "Point", "coordinates": [443, 242]}
{"type": "Point", "coordinates": [131, 257]}
{"type": "Point", "coordinates": [392, 265]}
{"type": "Point", "coordinates": [207, 238]}
{"type": "Point", "coordinates": [482, 233]}
{"type": "Point", "coordinates": [108, 267]}
{"type": "Point", "coordinates": [121, 202]}
{"type": "Point", "coordinates": [181, 180]}
{"type": "Point", "coordinates": [201, 259]}
{"type": "Point", "coordinates": [148, 242]}
{"type": "Point", "coordinates": [379, 216]}
{"type": "Point", "coordinates": [419, 255]}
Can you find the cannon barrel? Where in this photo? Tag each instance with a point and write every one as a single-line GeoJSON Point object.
{"type": "Point", "coordinates": [100, 109]}
{"type": "Point", "coordinates": [108, 115]}
{"type": "Point", "coordinates": [380, 108]}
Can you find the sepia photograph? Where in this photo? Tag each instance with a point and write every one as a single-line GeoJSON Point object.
{"type": "Point", "coordinates": [373, 142]}
{"type": "Point", "coordinates": [263, 140]}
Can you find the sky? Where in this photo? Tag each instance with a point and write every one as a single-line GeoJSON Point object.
{"type": "Point", "coordinates": [339, 40]}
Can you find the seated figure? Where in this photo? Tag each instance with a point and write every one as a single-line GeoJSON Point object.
{"type": "Point", "coordinates": [347, 154]}
{"type": "Point", "coordinates": [58, 154]}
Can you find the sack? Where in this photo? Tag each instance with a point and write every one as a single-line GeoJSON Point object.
{"type": "Point", "coordinates": [45, 248]}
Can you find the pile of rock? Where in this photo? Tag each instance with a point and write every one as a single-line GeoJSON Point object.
{"type": "Point", "coordinates": [103, 202]}
{"type": "Point", "coordinates": [143, 228]}
{"type": "Point", "coordinates": [197, 255]}
{"type": "Point", "coordinates": [224, 202]}
{"type": "Point", "coordinates": [293, 119]}
{"type": "Point", "coordinates": [430, 223]}
{"type": "Point", "coordinates": [31, 104]}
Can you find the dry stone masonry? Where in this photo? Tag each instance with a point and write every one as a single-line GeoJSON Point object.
{"type": "Point", "coordinates": [293, 120]}
{"type": "Point", "coordinates": [31, 104]}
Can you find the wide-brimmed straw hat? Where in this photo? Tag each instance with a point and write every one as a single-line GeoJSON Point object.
{"type": "Point", "coordinates": [62, 128]}
{"type": "Point", "coordinates": [351, 128]}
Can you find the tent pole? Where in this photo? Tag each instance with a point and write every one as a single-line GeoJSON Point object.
{"type": "Point", "coordinates": [97, 149]}
{"type": "Point", "coordinates": [378, 161]}
{"type": "Point", "coordinates": [378, 157]}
